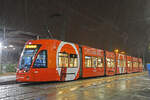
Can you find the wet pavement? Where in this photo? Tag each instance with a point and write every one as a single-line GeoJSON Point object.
{"type": "Point", "coordinates": [112, 88]}
{"type": "Point", "coordinates": [8, 79]}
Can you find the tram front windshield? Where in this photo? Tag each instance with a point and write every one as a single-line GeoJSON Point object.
{"type": "Point", "coordinates": [27, 58]}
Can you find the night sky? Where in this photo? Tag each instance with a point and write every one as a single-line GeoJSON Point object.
{"type": "Point", "coordinates": [104, 24]}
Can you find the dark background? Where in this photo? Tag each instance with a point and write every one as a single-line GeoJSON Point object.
{"type": "Point", "coordinates": [104, 24]}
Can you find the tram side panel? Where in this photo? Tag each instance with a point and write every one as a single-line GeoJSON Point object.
{"type": "Point", "coordinates": [140, 64]}
{"type": "Point", "coordinates": [110, 63]}
{"type": "Point", "coordinates": [93, 62]}
{"type": "Point", "coordinates": [129, 64]}
{"type": "Point", "coordinates": [67, 61]}
{"type": "Point", "coordinates": [135, 64]}
{"type": "Point", "coordinates": [41, 68]}
{"type": "Point", "coordinates": [120, 63]}
{"type": "Point", "coordinates": [52, 74]}
{"type": "Point", "coordinates": [100, 62]}
{"type": "Point", "coordinates": [55, 67]}
{"type": "Point", "coordinates": [55, 64]}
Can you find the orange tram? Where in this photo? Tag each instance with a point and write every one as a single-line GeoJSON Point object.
{"type": "Point", "coordinates": [55, 60]}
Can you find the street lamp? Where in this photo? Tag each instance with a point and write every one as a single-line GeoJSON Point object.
{"type": "Point", "coordinates": [5, 47]}
{"type": "Point", "coordinates": [11, 46]}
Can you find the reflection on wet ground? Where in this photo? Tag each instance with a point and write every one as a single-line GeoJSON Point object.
{"type": "Point", "coordinates": [129, 88]}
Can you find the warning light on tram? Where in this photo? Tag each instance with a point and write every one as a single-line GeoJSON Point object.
{"type": "Point", "coordinates": [122, 52]}
{"type": "Point", "coordinates": [116, 50]}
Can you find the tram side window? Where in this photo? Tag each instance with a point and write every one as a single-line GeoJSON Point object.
{"type": "Point", "coordinates": [112, 63]}
{"type": "Point", "coordinates": [129, 64]}
{"type": "Point", "coordinates": [121, 63]}
{"type": "Point", "coordinates": [108, 62]}
{"type": "Point", "coordinates": [118, 62]}
{"type": "Point", "coordinates": [76, 62]}
{"type": "Point", "coordinates": [41, 60]}
{"type": "Point", "coordinates": [100, 62]}
{"type": "Point", "coordinates": [94, 61]}
{"type": "Point", "coordinates": [87, 61]}
{"type": "Point", "coordinates": [140, 64]}
{"type": "Point", "coordinates": [63, 60]}
{"type": "Point", "coordinates": [124, 63]}
{"type": "Point", "coordinates": [73, 61]}
{"type": "Point", "coordinates": [134, 64]}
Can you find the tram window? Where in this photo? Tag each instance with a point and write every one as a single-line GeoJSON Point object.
{"type": "Point", "coordinates": [94, 61]}
{"type": "Point", "coordinates": [73, 62]}
{"type": "Point", "coordinates": [118, 62]}
{"type": "Point", "coordinates": [63, 60]}
{"type": "Point", "coordinates": [100, 62]}
{"type": "Point", "coordinates": [140, 64]}
{"type": "Point", "coordinates": [41, 60]}
{"type": "Point", "coordinates": [108, 62]}
{"type": "Point", "coordinates": [135, 64]}
{"type": "Point", "coordinates": [76, 62]}
{"type": "Point", "coordinates": [124, 63]}
{"type": "Point", "coordinates": [121, 63]}
{"type": "Point", "coordinates": [129, 64]}
{"type": "Point", "coordinates": [112, 63]}
{"type": "Point", "coordinates": [87, 61]}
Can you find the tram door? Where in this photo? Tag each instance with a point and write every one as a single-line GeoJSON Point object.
{"type": "Point", "coordinates": [40, 66]}
{"type": "Point", "coordinates": [63, 74]}
{"type": "Point", "coordinates": [63, 64]}
{"type": "Point", "coordinates": [68, 64]}
{"type": "Point", "coordinates": [104, 63]}
{"type": "Point", "coordinates": [80, 50]}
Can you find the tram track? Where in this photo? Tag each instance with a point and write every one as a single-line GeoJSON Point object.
{"type": "Point", "coordinates": [8, 82]}
{"type": "Point", "coordinates": [20, 91]}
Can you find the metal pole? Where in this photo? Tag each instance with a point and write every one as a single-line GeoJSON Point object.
{"type": "Point", "coordinates": [144, 67]}
{"type": "Point", "coordinates": [0, 59]}
{"type": "Point", "coordinates": [4, 37]}
{"type": "Point", "coordinates": [4, 32]}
